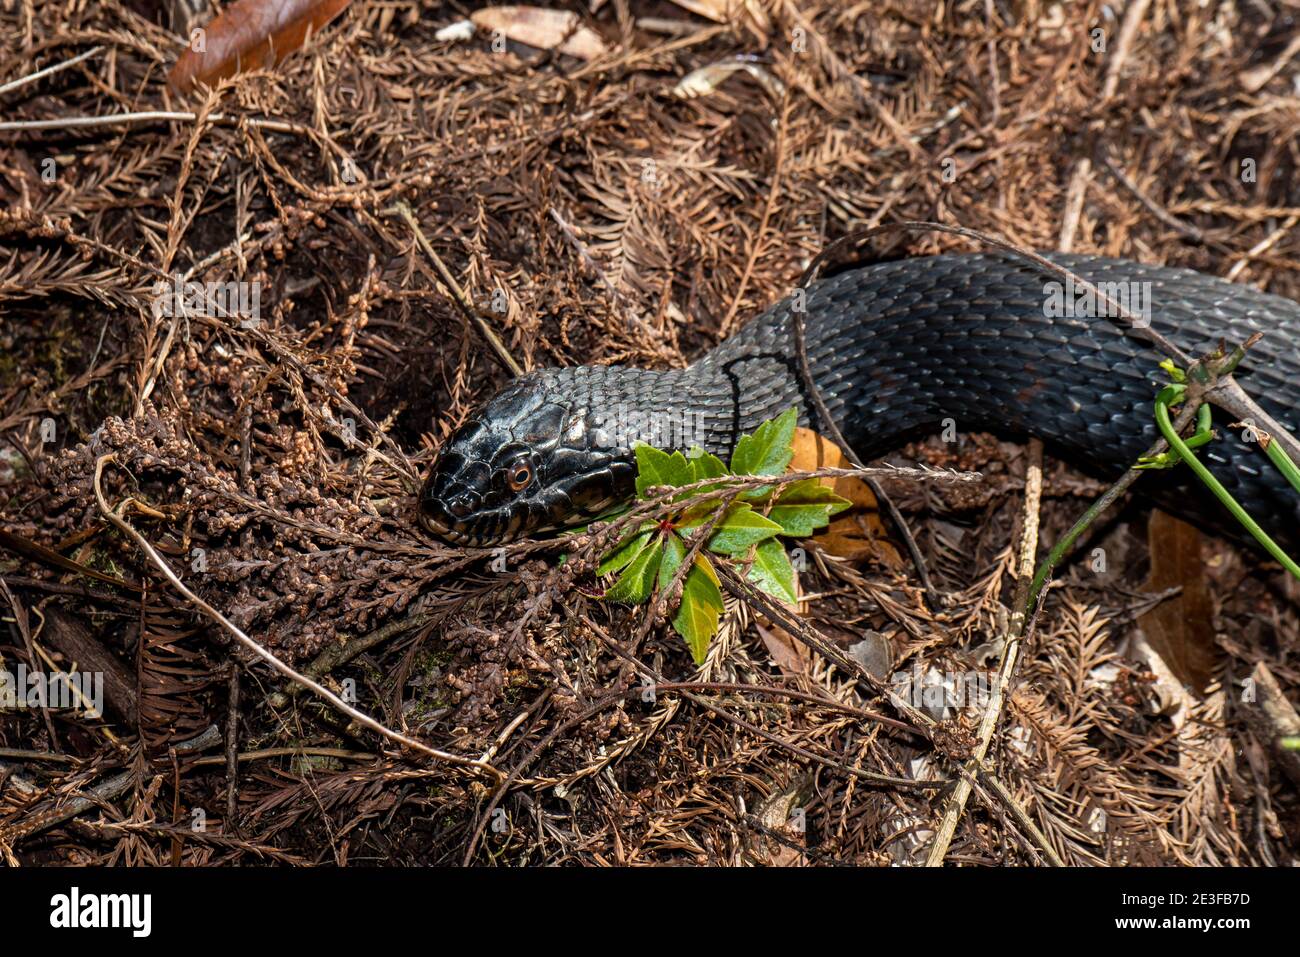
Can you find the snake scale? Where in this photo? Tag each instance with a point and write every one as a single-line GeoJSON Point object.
{"type": "Point", "coordinates": [975, 342]}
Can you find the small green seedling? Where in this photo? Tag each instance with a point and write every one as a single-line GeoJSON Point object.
{"type": "Point", "coordinates": [744, 525]}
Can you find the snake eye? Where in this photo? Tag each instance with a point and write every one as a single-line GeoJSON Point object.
{"type": "Point", "coordinates": [519, 477]}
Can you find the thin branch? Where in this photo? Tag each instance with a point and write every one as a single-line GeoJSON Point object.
{"type": "Point", "coordinates": [756, 249]}
{"type": "Point", "coordinates": [1113, 310]}
{"type": "Point", "coordinates": [825, 421]}
{"type": "Point", "coordinates": [810, 636]}
{"type": "Point", "coordinates": [1156, 210]}
{"type": "Point", "coordinates": [48, 71]}
{"type": "Point", "coordinates": [1010, 656]}
{"type": "Point", "coordinates": [152, 116]}
{"type": "Point", "coordinates": [1225, 393]}
{"type": "Point", "coordinates": [1022, 818]}
{"type": "Point", "coordinates": [58, 811]}
{"type": "Point", "coordinates": [458, 294]}
{"type": "Point", "coordinates": [1134, 12]}
{"type": "Point", "coordinates": [321, 691]}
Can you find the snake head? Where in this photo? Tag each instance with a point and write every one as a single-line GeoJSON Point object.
{"type": "Point", "coordinates": [529, 461]}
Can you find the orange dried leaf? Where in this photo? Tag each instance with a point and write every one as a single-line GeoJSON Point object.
{"type": "Point", "coordinates": [812, 452]}
{"type": "Point", "coordinates": [251, 35]}
{"type": "Point", "coordinates": [858, 533]}
{"type": "Point", "coordinates": [857, 536]}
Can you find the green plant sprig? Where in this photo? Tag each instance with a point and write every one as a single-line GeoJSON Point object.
{"type": "Point", "coordinates": [711, 518]}
{"type": "Point", "coordinates": [1207, 373]}
{"type": "Point", "coordinates": [1174, 394]}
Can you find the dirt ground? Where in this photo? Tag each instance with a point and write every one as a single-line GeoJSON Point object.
{"type": "Point", "coordinates": [595, 214]}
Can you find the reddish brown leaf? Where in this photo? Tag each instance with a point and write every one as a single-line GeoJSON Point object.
{"type": "Point", "coordinates": [790, 656]}
{"type": "Point", "coordinates": [251, 35]}
{"type": "Point", "coordinates": [1180, 630]}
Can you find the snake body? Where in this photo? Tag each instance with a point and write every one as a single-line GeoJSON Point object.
{"type": "Point", "coordinates": [971, 342]}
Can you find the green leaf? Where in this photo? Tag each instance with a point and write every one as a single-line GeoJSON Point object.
{"type": "Point", "coordinates": [633, 586]}
{"type": "Point", "coordinates": [741, 528]}
{"type": "Point", "coordinates": [655, 467]}
{"type": "Point", "coordinates": [773, 573]}
{"type": "Point", "coordinates": [701, 608]}
{"type": "Point", "coordinates": [806, 506]}
{"type": "Point", "coordinates": [705, 465]}
{"type": "Point", "coordinates": [624, 553]}
{"type": "Point", "coordinates": [769, 450]}
{"type": "Point", "coordinates": [697, 515]}
{"type": "Point", "coordinates": [674, 554]}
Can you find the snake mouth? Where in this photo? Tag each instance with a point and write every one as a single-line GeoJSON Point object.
{"type": "Point", "coordinates": [442, 525]}
{"type": "Point", "coordinates": [433, 526]}
{"type": "Point", "coordinates": [450, 534]}
{"type": "Point", "coordinates": [475, 533]}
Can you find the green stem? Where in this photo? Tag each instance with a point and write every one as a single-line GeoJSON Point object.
{"type": "Point", "coordinates": [1111, 495]}
{"type": "Point", "coordinates": [1205, 372]}
{"type": "Point", "coordinates": [1240, 514]}
{"type": "Point", "coordinates": [1277, 455]}
{"type": "Point", "coordinates": [1066, 541]}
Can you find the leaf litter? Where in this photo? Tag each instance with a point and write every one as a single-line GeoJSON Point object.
{"type": "Point", "coordinates": [592, 214]}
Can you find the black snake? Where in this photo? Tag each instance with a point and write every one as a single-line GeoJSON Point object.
{"type": "Point", "coordinates": [964, 342]}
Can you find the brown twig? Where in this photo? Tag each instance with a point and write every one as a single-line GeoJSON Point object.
{"type": "Point", "coordinates": [238, 634]}
{"type": "Point", "coordinates": [1156, 210]}
{"type": "Point", "coordinates": [827, 422]}
{"type": "Point", "coordinates": [104, 792]}
{"type": "Point", "coordinates": [1010, 657]}
{"type": "Point", "coordinates": [232, 743]}
{"type": "Point", "coordinates": [458, 294]}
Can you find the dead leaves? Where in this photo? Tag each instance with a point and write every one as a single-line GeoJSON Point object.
{"type": "Point", "coordinates": [1181, 629]}
{"type": "Point", "coordinates": [560, 30]}
{"type": "Point", "coordinates": [858, 533]}
{"type": "Point", "coordinates": [727, 11]}
{"type": "Point", "coordinates": [790, 655]}
{"type": "Point", "coordinates": [250, 35]}
{"type": "Point", "coordinates": [706, 79]}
